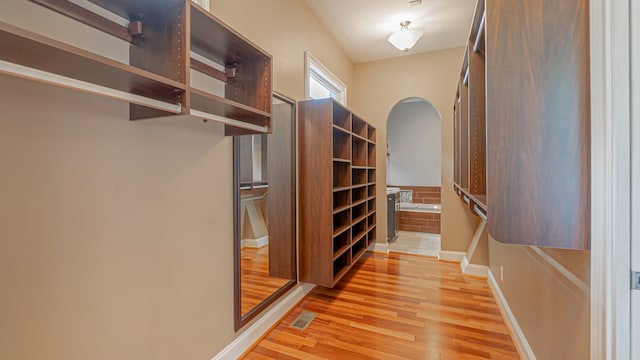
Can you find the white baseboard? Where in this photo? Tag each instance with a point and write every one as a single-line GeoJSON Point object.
{"type": "Point", "coordinates": [525, 351]}
{"type": "Point", "coordinates": [455, 256]}
{"type": "Point", "coordinates": [254, 243]}
{"type": "Point", "coordinates": [381, 248]}
{"type": "Point", "coordinates": [245, 340]}
{"type": "Point", "coordinates": [473, 269]}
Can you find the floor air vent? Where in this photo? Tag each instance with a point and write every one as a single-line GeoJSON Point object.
{"type": "Point", "coordinates": [302, 321]}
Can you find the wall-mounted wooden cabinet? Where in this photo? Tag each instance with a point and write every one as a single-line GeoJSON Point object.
{"type": "Point", "coordinates": [523, 147]}
{"type": "Point", "coordinates": [337, 177]}
{"type": "Point", "coordinates": [167, 39]}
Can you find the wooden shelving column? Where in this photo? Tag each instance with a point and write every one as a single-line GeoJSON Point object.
{"type": "Point", "coordinates": [337, 172]}
{"type": "Point", "coordinates": [522, 122]}
{"type": "Point", "coordinates": [163, 36]}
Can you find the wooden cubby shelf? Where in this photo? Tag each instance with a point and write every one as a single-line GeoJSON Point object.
{"type": "Point", "coordinates": [337, 181]}
{"type": "Point", "coordinates": [156, 80]}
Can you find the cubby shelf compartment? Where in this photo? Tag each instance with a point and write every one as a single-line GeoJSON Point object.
{"type": "Point", "coordinates": [333, 182]}
{"type": "Point", "coordinates": [341, 144]}
{"type": "Point", "coordinates": [156, 80]}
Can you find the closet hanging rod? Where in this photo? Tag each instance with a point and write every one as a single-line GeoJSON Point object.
{"type": "Point", "coordinates": [74, 84]}
{"type": "Point", "coordinates": [90, 14]}
{"type": "Point", "coordinates": [227, 121]}
{"type": "Point", "coordinates": [465, 80]}
{"type": "Point", "coordinates": [476, 45]}
{"type": "Point", "coordinates": [479, 212]}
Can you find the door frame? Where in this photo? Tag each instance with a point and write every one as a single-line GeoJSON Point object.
{"type": "Point", "coordinates": [610, 179]}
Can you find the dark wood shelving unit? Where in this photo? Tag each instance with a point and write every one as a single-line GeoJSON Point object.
{"type": "Point", "coordinates": [522, 122]}
{"type": "Point", "coordinates": [156, 81]}
{"type": "Point", "coordinates": [335, 173]}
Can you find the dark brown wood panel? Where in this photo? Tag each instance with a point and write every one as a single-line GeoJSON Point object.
{"type": "Point", "coordinates": [396, 307]}
{"type": "Point", "coordinates": [163, 47]}
{"type": "Point", "coordinates": [252, 84]}
{"type": "Point", "coordinates": [477, 125]}
{"type": "Point", "coordinates": [464, 135]}
{"type": "Point", "coordinates": [538, 119]}
{"type": "Point", "coordinates": [315, 191]}
{"type": "Point", "coordinates": [281, 207]}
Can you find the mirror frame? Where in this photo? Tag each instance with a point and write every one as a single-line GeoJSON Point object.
{"type": "Point", "coordinates": [242, 319]}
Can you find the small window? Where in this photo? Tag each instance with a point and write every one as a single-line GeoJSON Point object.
{"type": "Point", "coordinates": [321, 83]}
{"type": "Point", "coordinates": [203, 3]}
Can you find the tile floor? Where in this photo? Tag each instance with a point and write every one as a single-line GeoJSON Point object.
{"type": "Point", "coordinates": [416, 243]}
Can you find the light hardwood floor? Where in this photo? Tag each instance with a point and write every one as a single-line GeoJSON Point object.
{"type": "Point", "coordinates": [255, 283]}
{"type": "Point", "coordinates": [396, 307]}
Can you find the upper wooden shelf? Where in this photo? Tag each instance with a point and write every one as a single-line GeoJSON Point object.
{"type": "Point", "coordinates": [24, 48]}
{"type": "Point", "coordinates": [204, 101]}
{"type": "Point", "coordinates": [161, 34]}
{"type": "Point", "coordinates": [211, 38]}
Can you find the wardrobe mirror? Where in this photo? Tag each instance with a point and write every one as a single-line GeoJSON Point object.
{"type": "Point", "coordinates": [264, 206]}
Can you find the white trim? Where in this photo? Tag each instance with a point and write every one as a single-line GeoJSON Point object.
{"type": "Point", "coordinates": [254, 243]}
{"type": "Point", "coordinates": [381, 248]}
{"type": "Point", "coordinates": [610, 193]}
{"type": "Point", "coordinates": [476, 238]}
{"type": "Point", "coordinates": [454, 256]}
{"type": "Point", "coordinates": [473, 269]}
{"type": "Point", "coordinates": [635, 172]}
{"type": "Point", "coordinates": [250, 336]}
{"type": "Point", "coordinates": [309, 60]}
{"type": "Point", "coordinates": [203, 3]}
{"type": "Point", "coordinates": [522, 345]}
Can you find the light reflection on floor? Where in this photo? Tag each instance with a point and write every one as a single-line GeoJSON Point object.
{"type": "Point", "coordinates": [416, 243]}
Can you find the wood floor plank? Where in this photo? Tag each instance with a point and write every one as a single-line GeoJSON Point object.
{"type": "Point", "coordinates": [396, 307]}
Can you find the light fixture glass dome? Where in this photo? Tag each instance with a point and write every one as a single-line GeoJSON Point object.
{"type": "Point", "coordinates": [405, 38]}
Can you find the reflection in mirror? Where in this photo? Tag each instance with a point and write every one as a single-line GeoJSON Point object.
{"type": "Point", "coordinates": [264, 205]}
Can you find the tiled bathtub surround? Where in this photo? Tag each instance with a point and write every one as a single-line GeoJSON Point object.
{"type": "Point", "coordinates": [423, 194]}
{"type": "Point", "coordinates": [420, 221]}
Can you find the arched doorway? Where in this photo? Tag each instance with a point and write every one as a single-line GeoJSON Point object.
{"type": "Point", "coordinates": [414, 172]}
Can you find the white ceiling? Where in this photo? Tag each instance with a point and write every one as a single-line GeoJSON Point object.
{"type": "Point", "coordinates": [362, 27]}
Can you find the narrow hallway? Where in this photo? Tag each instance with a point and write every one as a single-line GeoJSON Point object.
{"type": "Point", "coordinates": [395, 307]}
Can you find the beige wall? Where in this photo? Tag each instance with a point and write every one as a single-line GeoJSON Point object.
{"type": "Point", "coordinates": [116, 236]}
{"type": "Point", "coordinates": [286, 29]}
{"type": "Point", "coordinates": [552, 310]}
{"type": "Point", "coordinates": [379, 85]}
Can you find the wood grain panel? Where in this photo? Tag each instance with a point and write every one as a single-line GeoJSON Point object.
{"type": "Point", "coordinates": [477, 124]}
{"type": "Point", "coordinates": [315, 151]}
{"type": "Point", "coordinates": [464, 135]}
{"type": "Point", "coordinates": [281, 195]}
{"type": "Point", "coordinates": [538, 122]}
{"type": "Point", "coordinates": [396, 307]}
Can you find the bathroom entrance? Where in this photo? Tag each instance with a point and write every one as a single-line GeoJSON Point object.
{"type": "Point", "coordinates": [413, 177]}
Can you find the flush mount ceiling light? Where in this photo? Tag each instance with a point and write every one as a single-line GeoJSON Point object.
{"type": "Point", "coordinates": [405, 38]}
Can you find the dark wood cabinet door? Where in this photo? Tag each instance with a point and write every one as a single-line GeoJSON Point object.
{"type": "Point", "coordinates": [538, 122]}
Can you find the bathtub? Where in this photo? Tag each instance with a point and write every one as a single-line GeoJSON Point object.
{"type": "Point", "coordinates": [427, 208]}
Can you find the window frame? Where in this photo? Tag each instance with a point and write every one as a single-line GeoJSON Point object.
{"type": "Point", "coordinates": [314, 68]}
